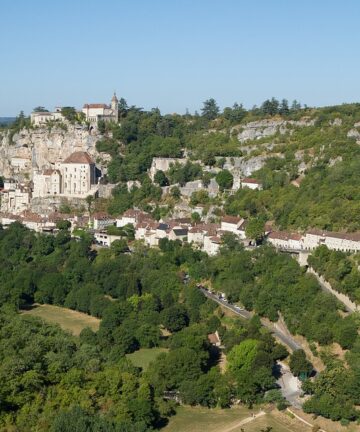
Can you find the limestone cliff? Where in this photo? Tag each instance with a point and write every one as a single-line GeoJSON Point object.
{"type": "Point", "coordinates": [41, 148]}
{"type": "Point", "coordinates": [268, 127]}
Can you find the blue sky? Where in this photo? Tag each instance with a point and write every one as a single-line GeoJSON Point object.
{"type": "Point", "coordinates": [174, 54]}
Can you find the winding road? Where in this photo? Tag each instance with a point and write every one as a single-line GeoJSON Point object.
{"type": "Point", "coordinates": [284, 338]}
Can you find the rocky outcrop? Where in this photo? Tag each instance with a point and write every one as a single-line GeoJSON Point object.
{"type": "Point", "coordinates": [42, 147]}
{"type": "Point", "coordinates": [245, 166]}
{"type": "Point", "coordinates": [267, 128]}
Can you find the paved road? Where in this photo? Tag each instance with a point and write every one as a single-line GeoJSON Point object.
{"type": "Point", "coordinates": [285, 339]}
{"type": "Point", "coordinates": [290, 386]}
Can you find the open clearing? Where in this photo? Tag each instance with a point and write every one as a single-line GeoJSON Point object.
{"type": "Point", "coordinates": [144, 356]}
{"type": "Point", "coordinates": [67, 319]}
{"type": "Point", "coordinates": [196, 419]}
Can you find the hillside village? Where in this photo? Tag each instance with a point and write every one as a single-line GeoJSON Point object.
{"type": "Point", "coordinates": [57, 163]}
{"type": "Point", "coordinates": [179, 217]}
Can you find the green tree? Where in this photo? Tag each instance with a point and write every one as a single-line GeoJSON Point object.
{"type": "Point", "coordinates": [299, 365]}
{"type": "Point", "coordinates": [161, 179]}
{"type": "Point", "coordinates": [175, 318]}
{"type": "Point", "coordinates": [255, 229]}
{"type": "Point", "coordinates": [40, 109]}
{"type": "Point", "coordinates": [224, 179]}
{"type": "Point", "coordinates": [69, 113]}
{"type": "Point", "coordinates": [210, 109]}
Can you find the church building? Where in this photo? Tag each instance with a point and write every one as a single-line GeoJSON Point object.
{"type": "Point", "coordinates": [99, 111]}
{"type": "Point", "coordinates": [74, 177]}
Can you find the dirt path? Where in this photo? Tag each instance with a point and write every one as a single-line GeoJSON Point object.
{"type": "Point", "coordinates": [244, 421]}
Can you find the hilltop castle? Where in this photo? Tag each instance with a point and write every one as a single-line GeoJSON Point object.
{"type": "Point", "coordinates": [99, 111]}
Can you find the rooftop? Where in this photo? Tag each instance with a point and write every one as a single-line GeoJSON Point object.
{"type": "Point", "coordinates": [231, 219]}
{"type": "Point", "coordinates": [285, 235]}
{"type": "Point", "coordinates": [96, 105]}
{"type": "Point", "coordinates": [79, 157]}
{"type": "Point", "coordinates": [250, 180]}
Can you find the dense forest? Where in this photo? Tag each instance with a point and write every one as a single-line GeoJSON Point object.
{"type": "Point", "coordinates": [54, 381]}
{"type": "Point", "coordinates": [62, 383]}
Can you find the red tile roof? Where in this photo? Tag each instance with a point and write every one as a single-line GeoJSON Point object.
{"type": "Point", "coordinates": [345, 236]}
{"type": "Point", "coordinates": [96, 105]}
{"type": "Point", "coordinates": [102, 216]}
{"type": "Point", "coordinates": [50, 172]}
{"type": "Point", "coordinates": [79, 157]}
{"type": "Point", "coordinates": [285, 235]}
{"type": "Point", "coordinates": [231, 219]}
{"type": "Point", "coordinates": [213, 338]}
{"type": "Point", "coordinates": [250, 180]}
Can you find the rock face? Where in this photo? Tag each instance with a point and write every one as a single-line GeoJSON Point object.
{"type": "Point", "coordinates": [269, 127]}
{"type": "Point", "coordinates": [40, 148]}
{"type": "Point", "coordinates": [244, 166]}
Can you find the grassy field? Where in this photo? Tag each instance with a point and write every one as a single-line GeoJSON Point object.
{"type": "Point", "coordinates": [66, 318]}
{"type": "Point", "coordinates": [197, 419]}
{"type": "Point", "coordinates": [144, 356]}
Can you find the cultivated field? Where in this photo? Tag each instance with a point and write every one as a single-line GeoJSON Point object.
{"type": "Point", "coordinates": [67, 319]}
{"type": "Point", "coordinates": [237, 419]}
{"type": "Point", "coordinates": [144, 356]}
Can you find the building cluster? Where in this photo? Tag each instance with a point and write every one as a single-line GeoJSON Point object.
{"type": "Point", "coordinates": [15, 197]}
{"type": "Point", "coordinates": [164, 164]}
{"type": "Point", "coordinates": [205, 236]}
{"type": "Point", "coordinates": [43, 223]}
{"type": "Point", "coordinates": [93, 112]}
{"type": "Point", "coordinates": [75, 177]}
{"type": "Point", "coordinates": [345, 242]}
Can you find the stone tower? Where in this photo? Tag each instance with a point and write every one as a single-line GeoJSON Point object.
{"type": "Point", "coordinates": [115, 106]}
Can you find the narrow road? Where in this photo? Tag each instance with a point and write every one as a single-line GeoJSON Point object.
{"type": "Point", "coordinates": [285, 339]}
{"type": "Point", "coordinates": [344, 299]}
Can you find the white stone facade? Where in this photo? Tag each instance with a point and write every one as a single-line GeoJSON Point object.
{"type": "Point", "coordinates": [285, 240]}
{"type": "Point", "coordinates": [234, 225]}
{"type": "Point", "coordinates": [15, 200]}
{"type": "Point", "coordinates": [345, 242]}
{"type": "Point", "coordinates": [41, 118]}
{"type": "Point", "coordinates": [99, 111]}
{"type": "Point", "coordinates": [75, 177]}
{"type": "Point", "coordinates": [47, 182]}
{"type": "Point", "coordinates": [251, 183]}
{"type": "Point", "coordinates": [212, 245]}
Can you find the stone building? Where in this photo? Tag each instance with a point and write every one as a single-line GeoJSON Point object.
{"type": "Point", "coordinates": [41, 118]}
{"type": "Point", "coordinates": [78, 174]}
{"type": "Point", "coordinates": [100, 111]}
{"type": "Point", "coordinates": [15, 198]}
{"type": "Point", "coordinates": [74, 177]}
{"type": "Point", "coordinates": [47, 182]}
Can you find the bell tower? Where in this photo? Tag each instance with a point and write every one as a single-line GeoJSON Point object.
{"type": "Point", "coordinates": [115, 106]}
